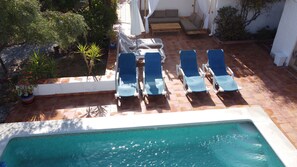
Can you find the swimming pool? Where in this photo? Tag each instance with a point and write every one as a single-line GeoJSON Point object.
{"type": "Point", "coordinates": [85, 131]}
{"type": "Point", "coordinates": [220, 144]}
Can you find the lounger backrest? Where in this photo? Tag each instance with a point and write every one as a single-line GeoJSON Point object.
{"type": "Point", "coordinates": [125, 38]}
{"type": "Point", "coordinates": [188, 62]}
{"type": "Point", "coordinates": [127, 64]}
{"type": "Point", "coordinates": [216, 61]}
{"type": "Point", "coordinates": [153, 67]}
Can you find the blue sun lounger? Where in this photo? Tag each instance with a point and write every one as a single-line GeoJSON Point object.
{"type": "Point", "coordinates": [127, 76]}
{"type": "Point", "coordinates": [193, 80]}
{"type": "Point", "coordinates": [218, 69]}
{"type": "Point", "coordinates": [152, 75]}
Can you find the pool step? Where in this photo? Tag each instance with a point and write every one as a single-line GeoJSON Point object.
{"type": "Point", "coordinates": [241, 153]}
{"type": "Point", "coordinates": [239, 158]}
{"type": "Point", "coordinates": [248, 128]}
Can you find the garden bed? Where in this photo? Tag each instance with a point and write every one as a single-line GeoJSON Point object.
{"type": "Point", "coordinates": [73, 65]}
{"type": "Point", "coordinates": [72, 77]}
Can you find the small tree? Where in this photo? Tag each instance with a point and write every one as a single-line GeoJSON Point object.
{"type": "Point", "coordinates": [22, 22]}
{"type": "Point", "coordinates": [67, 27]}
{"type": "Point", "coordinates": [250, 10]}
{"type": "Point", "coordinates": [230, 25]}
{"type": "Point", "coordinates": [232, 22]}
{"type": "Point", "coordinates": [100, 16]}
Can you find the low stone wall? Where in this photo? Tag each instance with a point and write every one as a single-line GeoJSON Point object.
{"type": "Point", "coordinates": [72, 85]}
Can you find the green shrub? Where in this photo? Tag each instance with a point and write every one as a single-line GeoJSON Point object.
{"type": "Point", "coordinates": [68, 27]}
{"type": "Point", "coordinates": [100, 17]}
{"type": "Point", "coordinates": [230, 25]}
{"type": "Point", "coordinates": [40, 66]}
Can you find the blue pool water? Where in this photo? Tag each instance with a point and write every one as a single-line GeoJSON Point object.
{"type": "Point", "coordinates": [224, 144]}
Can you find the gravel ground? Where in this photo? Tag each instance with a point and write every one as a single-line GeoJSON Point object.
{"type": "Point", "coordinates": [15, 55]}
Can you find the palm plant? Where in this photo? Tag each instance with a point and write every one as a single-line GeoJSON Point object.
{"type": "Point", "coordinates": [91, 54]}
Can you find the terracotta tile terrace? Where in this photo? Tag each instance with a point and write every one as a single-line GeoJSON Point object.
{"type": "Point", "coordinates": [273, 88]}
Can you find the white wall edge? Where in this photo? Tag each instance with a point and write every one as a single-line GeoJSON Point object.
{"type": "Point", "coordinates": [75, 87]}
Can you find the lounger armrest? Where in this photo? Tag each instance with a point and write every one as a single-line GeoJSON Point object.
{"type": "Point", "coordinates": [211, 72]}
{"type": "Point", "coordinates": [184, 78]}
{"type": "Point", "coordinates": [137, 78]}
{"type": "Point", "coordinates": [213, 80]}
{"type": "Point", "coordinates": [205, 68]}
{"type": "Point", "coordinates": [143, 74]}
{"type": "Point", "coordinates": [116, 84]}
{"type": "Point", "coordinates": [163, 55]}
{"type": "Point", "coordinates": [117, 79]}
{"type": "Point", "coordinates": [162, 46]}
{"type": "Point", "coordinates": [177, 69]}
{"type": "Point", "coordinates": [137, 83]}
{"type": "Point", "coordinates": [231, 72]}
{"type": "Point", "coordinates": [143, 82]}
{"type": "Point", "coordinates": [201, 72]}
{"type": "Point", "coordinates": [165, 88]}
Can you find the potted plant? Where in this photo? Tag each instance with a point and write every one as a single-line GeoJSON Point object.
{"type": "Point", "coordinates": [25, 90]}
{"type": "Point", "coordinates": [38, 67]}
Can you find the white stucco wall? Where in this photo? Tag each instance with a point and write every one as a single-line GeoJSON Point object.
{"type": "Point", "coordinates": [209, 8]}
{"type": "Point", "coordinates": [77, 87]}
{"type": "Point", "coordinates": [270, 18]}
{"type": "Point", "coordinates": [233, 3]}
{"type": "Point", "coordinates": [286, 35]}
{"type": "Point", "coordinates": [184, 7]}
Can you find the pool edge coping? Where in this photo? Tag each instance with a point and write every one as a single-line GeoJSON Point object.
{"type": "Point", "coordinates": [284, 149]}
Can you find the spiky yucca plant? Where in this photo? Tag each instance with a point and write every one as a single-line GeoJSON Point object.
{"type": "Point", "coordinates": [91, 54]}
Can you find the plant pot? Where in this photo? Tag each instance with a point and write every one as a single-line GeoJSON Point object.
{"type": "Point", "coordinates": [27, 99]}
{"type": "Point", "coordinates": [112, 46]}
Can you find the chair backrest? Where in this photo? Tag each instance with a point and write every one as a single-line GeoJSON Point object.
{"type": "Point", "coordinates": [127, 64]}
{"type": "Point", "coordinates": [153, 66]}
{"type": "Point", "coordinates": [216, 61]}
{"type": "Point", "coordinates": [188, 62]}
{"type": "Point", "coordinates": [126, 39]}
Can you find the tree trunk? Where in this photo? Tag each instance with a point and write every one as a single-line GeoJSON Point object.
{"type": "Point", "coordinates": [3, 66]}
{"type": "Point", "coordinates": [1, 61]}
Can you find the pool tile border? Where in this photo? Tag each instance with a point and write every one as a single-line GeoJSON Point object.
{"type": "Point", "coordinates": [277, 140]}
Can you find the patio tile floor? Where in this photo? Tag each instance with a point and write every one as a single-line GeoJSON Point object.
{"type": "Point", "coordinates": [273, 88]}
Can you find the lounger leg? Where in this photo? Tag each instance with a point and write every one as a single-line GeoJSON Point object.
{"type": "Point", "coordinates": [177, 70]}
{"type": "Point", "coordinates": [214, 85]}
{"type": "Point", "coordinates": [118, 101]}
